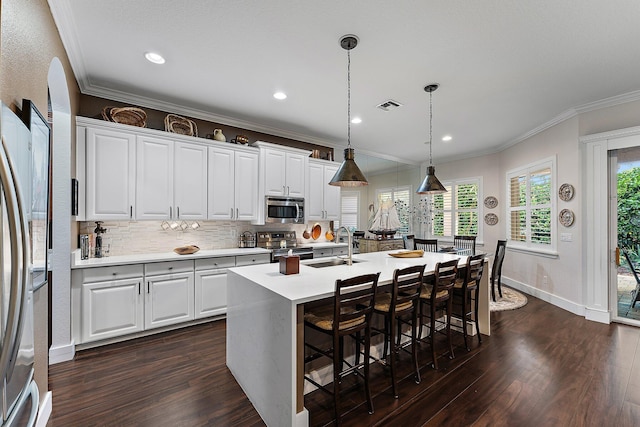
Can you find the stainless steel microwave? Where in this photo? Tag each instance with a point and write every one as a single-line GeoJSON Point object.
{"type": "Point", "coordinates": [284, 210]}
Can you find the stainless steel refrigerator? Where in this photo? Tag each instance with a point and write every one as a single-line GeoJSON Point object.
{"type": "Point", "coordinates": [19, 215]}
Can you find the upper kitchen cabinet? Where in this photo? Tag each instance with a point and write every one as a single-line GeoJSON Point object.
{"type": "Point", "coordinates": [154, 178]}
{"type": "Point", "coordinates": [323, 200]}
{"type": "Point", "coordinates": [233, 184]}
{"type": "Point", "coordinates": [190, 181]}
{"type": "Point", "coordinates": [171, 180]}
{"type": "Point", "coordinates": [283, 170]}
{"type": "Point", "coordinates": [109, 164]}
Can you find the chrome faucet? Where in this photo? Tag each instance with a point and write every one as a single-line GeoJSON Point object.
{"type": "Point", "coordinates": [349, 242]}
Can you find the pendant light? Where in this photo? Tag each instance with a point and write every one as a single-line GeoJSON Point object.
{"type": "Point", "coordinates": [431, 184]}
{"type": "Point", "coordinates": [348, 174]}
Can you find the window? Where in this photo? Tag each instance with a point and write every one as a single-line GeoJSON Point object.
{"type": "Point", "coordinates": [456, 212]}
{"type": "Point", "coordinates": [531, 207]}
{"type": "Point", "coordinates": [350, 200]}
{"type": "Point", "coordinates": [401, 197]}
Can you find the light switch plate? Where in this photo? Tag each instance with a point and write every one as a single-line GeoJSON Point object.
{"type": "Point", "coordinates": [566, 237]}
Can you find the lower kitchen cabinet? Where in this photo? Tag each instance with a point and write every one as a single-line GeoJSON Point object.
{"type": "Point", "coordinates": [169, 293]}
{"type": "Point", "coordinates": [112, 302]}
{"type": "Point", "coordinates": [211, 286]}
{"type": "Point", "coordinates": [328, 251]}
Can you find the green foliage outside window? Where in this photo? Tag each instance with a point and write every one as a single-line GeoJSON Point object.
{"type": "Point", "coordinates": [629, 211]}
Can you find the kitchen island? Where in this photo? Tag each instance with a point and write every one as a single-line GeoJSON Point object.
{"type": "Point", "coordinates": [265, 329]}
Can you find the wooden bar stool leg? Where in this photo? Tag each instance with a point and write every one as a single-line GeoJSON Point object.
{"type": "Point", "coordinates": [465, 302]}
{"type": "Point", "coordinates": [433, 338]}
{"type": "Point", "coordinates": [414, 347]}
{"type": "Point", "coordinates": [476, 315]}
{"type": "Point", "coordinates": [392, 356]}
{"type": "Point", "coordinates": [449, 311]}
{"type": "Point", "coordinates": [367, 347]}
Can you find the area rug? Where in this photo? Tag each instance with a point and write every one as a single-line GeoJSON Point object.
{"type": "Point", "coordinates": [511, 299]}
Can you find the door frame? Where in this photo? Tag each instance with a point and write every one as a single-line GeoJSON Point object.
{"type": "Point", "coordinates": [598, 253]}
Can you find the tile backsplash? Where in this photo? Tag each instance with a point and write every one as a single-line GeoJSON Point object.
{"type": "Point", "coordinates": [138, 237]}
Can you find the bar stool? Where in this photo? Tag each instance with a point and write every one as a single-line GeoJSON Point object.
{"type": "Point", "coordinates": [400, 307]}
{"type": "Point", "coordinates": [467, 290]}
{"type": "Point", "coordinates": [438, 295]}
{"type": "Point", "coordinates": [349, 315]}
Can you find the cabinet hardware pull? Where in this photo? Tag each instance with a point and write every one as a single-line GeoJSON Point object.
{"type": "Point", "coordinates": [237, 213]}
{"type": "Point", "coordinates": [284, 190]}
{"type": "Point", "coordinates": [170, 212]}
{"type": "Point", "coordinates": [287, 190]}
{"type": "Point", "coordinates": [231, 213]}
{"type": "Point", "coordinates": [138, 288]}
{"type": "Point", "coordinates": [131, 211]}
{"type": "Point", "coordinates": [170, 268]}
{"type": "Point", "coordinates": [147, 287]}
{"type": "Point", "coordinates": [178, 209]}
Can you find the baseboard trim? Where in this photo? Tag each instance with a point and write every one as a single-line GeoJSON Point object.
{"type": "Point", "coordinates": [563, 303]}
{"type": "Point", "coordinates": [598, 315]}
{"type": "Point", "coordinates": [62, 353]}
{"type": "Point", "coordinates": [44, 413]}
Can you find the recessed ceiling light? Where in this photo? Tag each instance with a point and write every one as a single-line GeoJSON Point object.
{"type": "Point", "coordinates": [280, 95]}
{"type": "Point", "coordinates": [356, 120]}
{"type": "Point", "coordinates": [156, 58]}
{"type": "Point", "coordinates": [447, 138]}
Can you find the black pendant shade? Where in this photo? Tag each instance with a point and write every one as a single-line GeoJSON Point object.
{"type": "Point", "coordinates": [431, 184]}
{"type": "Point", "coordinates": [348, 174]}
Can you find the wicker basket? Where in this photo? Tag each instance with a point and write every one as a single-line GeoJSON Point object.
{"type": "Point", "coordinates": [180, 125]}
{"type": "Point", "coordinates": [132, 116]}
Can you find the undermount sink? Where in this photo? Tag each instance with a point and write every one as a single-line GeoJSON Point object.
{"type": "Point", "coordinates": [332, 263]}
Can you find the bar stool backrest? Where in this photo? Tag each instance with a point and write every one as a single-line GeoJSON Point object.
{"type": "Point", "coordinates": [465, 242]}
{"type": "Point", "coordinates": [354, 300]}
{"type": "Point", "coordinates": [496, 270]}
{"type": "Point", "coordinates": [475, 268]}
{"type": "Point", "coordinates": [409, 242]}
{"type": "Point", "coordinates": [407, 284]}
{"type": "Point", "coordinates": [444, 279]}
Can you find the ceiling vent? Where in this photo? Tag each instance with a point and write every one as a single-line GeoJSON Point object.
{"type": "Point", "coordinates": [389, 105]}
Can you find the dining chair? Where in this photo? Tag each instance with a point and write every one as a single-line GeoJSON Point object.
{"type": "Point", "coordinates": [409, 242]}
{"type": "Point", "coordinates": [466, 292]}
{"type": "Point", "coordinates": [348, 316]}
{"type": "Point", "coordinates": [496, 270]}
{"type": "Point", "coordinates": [400, 307]}
{"type": "Point", "coordinates": [467, 243]}
{"type": "Point", "coordinates": [427, 245]}
{"type": "Point", "coordinates": [437, 295]}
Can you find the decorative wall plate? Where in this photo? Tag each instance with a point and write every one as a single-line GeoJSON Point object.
{"type": "Point", "coordinates": [566, 192]}
{"type": "Point", "coordinates": [491, 219]}
{"type": "Point", "coordinates": [490, 202]}
{"type": "Point", "coordinates": [566, 217]}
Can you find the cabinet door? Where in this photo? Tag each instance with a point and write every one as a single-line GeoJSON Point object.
{"type": "Point", "coordinates": [168, 300]}
{"type": "Point", "coordinates": [295, 175]}
{"type": "Point", "coordinates": [190, 181]}
{"type": "Point", "coordinates": [210, 293]}
{"type": "Point", "coordinates": [246, 189]}
{"type": "Point", "coordinates": [111, 308]}
{"type": "Point", "coordinates": [154, 178]}
{"type": "Point", "coordinates": [331, 195]}
{"type": "Point", "coordinates": [314, 203]}
{"type": "Point", "coordinates": [275, 172]}
{"type": "Point", "coordinates": [110, 174]}
{"type": "Point", "coordinates": [221, 186]}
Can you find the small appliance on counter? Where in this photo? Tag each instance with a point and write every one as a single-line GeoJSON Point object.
{"type": "Point", "coordinates": [247, 240]}
{"type": "Point", "coordinates": [280, 243]}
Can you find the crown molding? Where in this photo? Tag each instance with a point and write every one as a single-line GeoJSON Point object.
{"type": "Point", "coordinates": [614, 134]}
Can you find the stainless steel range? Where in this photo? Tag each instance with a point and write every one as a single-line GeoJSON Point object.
{"type": "Point", "coordinates": [280, 242]}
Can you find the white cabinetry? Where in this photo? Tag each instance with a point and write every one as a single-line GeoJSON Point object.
{"type": "Point", "coordinates": [110, 173]}
{"type": "Point", "coordinates": [169, 293]}
{"type": "Point", "coordinates": [190, 181]}
{"type": "Point", "coordinates": [233, 184]}
{"type": "Point", "coordinates": [283, 170]}
{"type": "Point", "coordinates": [171, 179]}
{"type": "Point", "coordinates": [323, 200]}
{"type": "Point", "coordinates": [330, 251]}
{"type": "Point", "coordinates": [112, 302]}
{"type": "Point", "coordinates": [211, 286]}
{"type": "Point", "coordinates": [154, 178]}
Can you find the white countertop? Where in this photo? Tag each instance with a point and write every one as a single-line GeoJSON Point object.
{"type": "Point", "coordinates": [76, 262]}
{"type": "Point", "coordinates": [317, 283]}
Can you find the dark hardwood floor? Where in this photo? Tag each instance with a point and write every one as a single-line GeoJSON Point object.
{"type": "Point", "coordinates": [542, 366]}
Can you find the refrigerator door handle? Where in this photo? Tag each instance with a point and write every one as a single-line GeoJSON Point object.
{"type": "Point", "coordinates": [16, 295]}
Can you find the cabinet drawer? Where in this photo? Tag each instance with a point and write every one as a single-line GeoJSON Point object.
{"type": "Point", "coordinates": [321, 253]}
{"type": "Point", "coordinates": [214, 263]}
{"type": "Point", "coordinates": [342, 250]}
{"type": "Point", "coordinates": [252, 259]}
{"type": "Point", "coordinates": [168, 267]}
{"type": "Point", "coordinates": [116, 272]}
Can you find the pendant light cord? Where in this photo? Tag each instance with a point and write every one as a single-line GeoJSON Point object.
{"type": "Point", "coordinates": [348, 98]}
{"type": "Point", "coordinates": [430, 127]}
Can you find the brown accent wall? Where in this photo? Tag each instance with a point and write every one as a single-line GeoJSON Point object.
{"type": "Point", "coordinates": [91, 106]}
{"type": "Point", "coordinates": [29, 40]}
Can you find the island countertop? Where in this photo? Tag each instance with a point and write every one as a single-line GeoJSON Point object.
{"type": "Point", "coordinates": [316, 283]}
